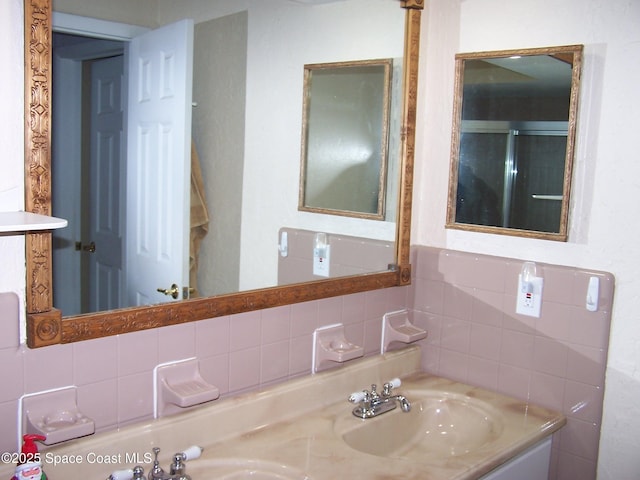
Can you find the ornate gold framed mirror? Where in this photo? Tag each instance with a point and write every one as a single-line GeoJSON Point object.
{"type": "Point", "coordinates": [513, 140]}
{"type": "Point", "coordinates": [345, 138]}
{"type": "Point", "coordinates": [45, 324]}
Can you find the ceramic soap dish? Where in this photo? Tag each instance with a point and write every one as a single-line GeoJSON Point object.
{"type": "Point", "coordinates": [396, 327]}
{"type": "Point", "coordinates": [330, 344]}
{"type": "Point", "coordinates": [55, 415]}
{"type": "Point", "coordinates": [179, 385]}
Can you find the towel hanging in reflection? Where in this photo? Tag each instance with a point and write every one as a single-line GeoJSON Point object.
{"type": "Point", "coordinates": [199, 218]}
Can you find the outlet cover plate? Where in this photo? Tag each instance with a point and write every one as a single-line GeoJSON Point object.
{"type": "Point", "coordinates": [530, 303]}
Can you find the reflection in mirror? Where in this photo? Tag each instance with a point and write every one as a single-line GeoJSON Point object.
{"type": "Point", "coordinates": [231, 148]}
{"type": "Point", "coordinates": [344, 138]}
{"type": "Point", "coordinates": [45, 325]}
{"type": "Point", "coordinates": [513, 141]}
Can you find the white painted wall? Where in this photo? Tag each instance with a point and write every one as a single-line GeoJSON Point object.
{"type": "Point", "coordinates": [12, 142]}
{"type": "Point", "coordinates": [326, 33]}
{"type": "Point", "coordinates": [140, 12]}
{"type": "Point", "coordinates": [275, 62]}
{"type": "Point", "coordinates": [604, 230]}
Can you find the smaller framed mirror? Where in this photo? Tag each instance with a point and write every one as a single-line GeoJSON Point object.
{"type": "Point", "coordinates": [513, 141]}
{"type": "Point", "coordinates": [345, 128]}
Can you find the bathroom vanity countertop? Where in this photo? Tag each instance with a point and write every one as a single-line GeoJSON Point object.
{"type": "Point", "coordinates": [310, 444]}
{"type": "Point", "coordinates": [297, 426]}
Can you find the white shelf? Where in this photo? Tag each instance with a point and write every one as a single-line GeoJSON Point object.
{"type": "Point", "coordinates": [26, 221]}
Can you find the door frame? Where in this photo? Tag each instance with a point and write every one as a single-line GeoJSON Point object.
{"type": "Point", "coordinates": [103, 30]}
{"type": "Point", "coordinates": [93, 27]}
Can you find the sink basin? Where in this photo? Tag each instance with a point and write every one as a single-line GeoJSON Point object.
{"type": "Point", "coordinates": [241, 468]}
{"type": "Point", "coordinates": [439, 424]}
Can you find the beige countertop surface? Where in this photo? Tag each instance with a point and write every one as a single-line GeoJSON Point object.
{"type": "Point", "coordinates": [311, 445]}
{"type": "Point", "coordinates": [294, 430]}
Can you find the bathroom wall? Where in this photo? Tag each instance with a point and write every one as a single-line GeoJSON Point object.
{"type": "Point", "coordinates": [12, 141]}
{"type": "Point", "coordinates": [274, 92]}
{"type": "Point", "coordinates": [347, 256]}
{"type": "Point", "coordinates": [467, 304]}
{"type": "Point", "coordinates": [280, 38]}
{"type": "Point", "coordinates": [465, 301]}
{"type": "Point", "coordinates": [114, 375]}
{"type": "Point", "coordinates": [219, 90]}
{"type": "Point", "coordinates": [139, 13]}
{"type": "Point", "coordinates": [602, 232]}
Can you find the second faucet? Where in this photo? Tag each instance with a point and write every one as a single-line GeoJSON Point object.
{"type": "Point", "coordinates": [371, 403]}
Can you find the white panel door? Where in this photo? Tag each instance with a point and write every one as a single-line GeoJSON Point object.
{"type": "Point", "coordinates": [104, 255]}
{"type": "Point", "coordinates": [158, 163]}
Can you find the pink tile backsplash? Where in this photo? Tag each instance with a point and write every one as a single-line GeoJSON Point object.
{"type": "Point", "coordinates": [11, 372]}
{"type": "Point", "coordinates": [557, 360]}
{"type": "Point", "coordinates": [466, 302]}
{"type": "Point", "coordinates": [86, 370]}
{"type": "Point", "coordinates": [583, 401]}
{"type": "Point", "coordinates": [306, 318]}
{"type": "Point", "coordinates": [349, 256]}
{"type": "Point", "coordinates": [244, 369]}
{"type": "Point", "coordinates": [276, 325]}
{"type": "Point", "coordinates": [135, 398]}
{"type": "Point", "coordinates": [10, 308]}
{"type": "Point", "coordinates": [176, 342]}
{"type": "Point", "coordinates": [484, 341]}
{"type": "Point", "coordinates": [516, 349]}
{"type": "Point", "coordinates": [550, 356]}
{"type": "Point", "coordinates": [274, 362]}
{"type": "Point", "coordinates": [300, 355]}
{"type": "Point", "coordinates": [8, 417]}
{"type": "Point", "coordinates": [245, 331]}
{"type": "Point", "coordinates": [215, 370]}
{"type": "Point", "coordinates": [212, 336]}
{"type": "Point", "coordinates": [99, 402]}
{"type": "Point", "coordinates": [47, 368]}
{"type": "Point", "coordinates": [138, 352]}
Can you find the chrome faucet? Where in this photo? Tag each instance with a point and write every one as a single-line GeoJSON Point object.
{"type": "Point", "coordinates": [373, 403]}
{"type": "Point", "coordinates": [176, 471]}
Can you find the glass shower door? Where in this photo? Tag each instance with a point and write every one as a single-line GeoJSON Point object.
{"type": "Point", "coordinates": [508, 169]}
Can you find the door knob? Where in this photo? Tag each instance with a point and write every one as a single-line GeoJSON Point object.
{"type": "Point", "coordinates": [174, 291]}
{"type": "Point", "coordinates": [91, 247]}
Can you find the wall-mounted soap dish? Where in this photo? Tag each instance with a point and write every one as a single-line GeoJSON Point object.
{"type": "Point", "coordinates": [396, 327]}
{"type": "Point", "coordinates": [330, 344]}
{"type": "Point", "coordinates": [55, 415]}
{"type": "Point", "coordinates": [178, 385]}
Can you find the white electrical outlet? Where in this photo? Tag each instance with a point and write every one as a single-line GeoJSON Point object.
{"type": "Point", "coordinates": [321, 261]}
{"type": "Point", "coordinates": [529, 300]}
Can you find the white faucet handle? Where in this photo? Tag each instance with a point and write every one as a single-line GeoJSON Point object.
{"type": "Point", "coordinates": [395, 382]}
{"type": "Point", "coordinates": [121, 475]}
{"type": "Point", "coordinates": [192, 453]}
{"type": "Point", "coordinates": [357, 397]}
